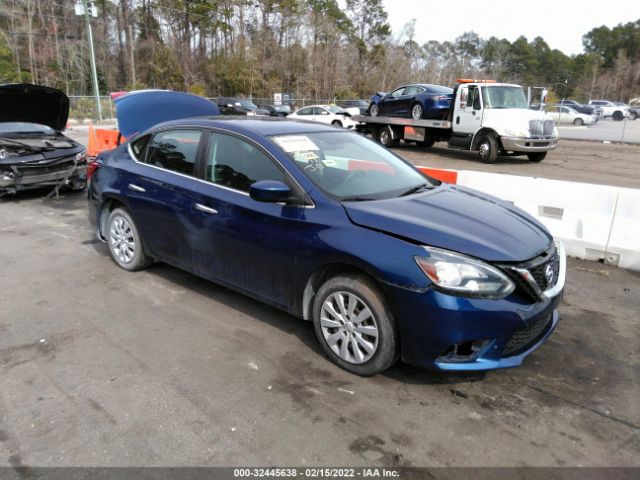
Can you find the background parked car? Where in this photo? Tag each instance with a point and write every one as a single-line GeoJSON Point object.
{"type": "Point", "coordinates": [579, 107]}
{"type": "Point", "coordinates": [356, 107]}
{"type": "Point", "coordinates": [611, 109]}
{"type": "Point", "coordinates": [238, 106]}
{"type": "Point", "coordinates": [564, 114]}
{"type": "Point", "coordinates": [634, 109]}
{"type": "Point", "coordinates": [331, 114]}
{"type": "Point", "coordinates": [415, 101]}
{"type": "Point", "coordinates": [33, 151]}
{"type": "Point", "coordinates": [277, 110]}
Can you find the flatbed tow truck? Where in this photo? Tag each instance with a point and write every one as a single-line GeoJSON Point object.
{"type": "Point", "coordinates": [488, 117]}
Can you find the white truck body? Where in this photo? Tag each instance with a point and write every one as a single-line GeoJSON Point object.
{"type": "Point", "coordinates": [490, 118]}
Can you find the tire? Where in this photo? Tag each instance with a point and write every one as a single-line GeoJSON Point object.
{"type": "Point", "coordinates": [77, 184]}
{"type": "Point", "coordinates": [536, 156]}
{"type": "Point", "coordinates": [342, 338]}
{"type": "Point", "coordinates": [120, 229]}
{"type": "Point", "coordinates": [416, 111]}
{"type": "Point", "coordinates": [579, 122]}
{"type": "Point", "coordinates": [337, 123]}
{"type": "Point", "coordinates": [428, 143]}
{"type": "Point", "coordinates": [374, 110]}
{"type": "Point", "coordinates": [633, 115]}
{"type": "Point", "coordinates": [385, 137]}
{"type": "Point", "coordinates": [618, 116]}
{"type": "Point", "coordinates": [488, 148]}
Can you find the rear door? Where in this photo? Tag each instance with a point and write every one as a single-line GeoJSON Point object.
{"type": "Point", "coordinates": [239, 241]}
{"type": "Point", "coordinates": [158, 187]}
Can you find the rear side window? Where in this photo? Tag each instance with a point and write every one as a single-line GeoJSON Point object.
{"type": "Point", "coordinates": [235, 163]}
{"type": "Point", "coordinates": [174, 150]}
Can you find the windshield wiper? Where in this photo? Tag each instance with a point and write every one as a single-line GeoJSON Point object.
{"type": "Point", "coordinates": [24, 145]}
{"type": "Point", "coordinates": [356, 199]}
{"type": "Point", "coordinates": [416, 189]}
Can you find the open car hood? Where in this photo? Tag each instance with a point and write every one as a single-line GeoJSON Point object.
{"type": "Point", "coordinates": [142, 109]}
{"type": "Point", "coordinates": [24, 102]}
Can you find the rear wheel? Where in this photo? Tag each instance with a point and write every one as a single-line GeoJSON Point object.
{"type": "Point", "coordinates": [373, 110]}
{"type": "Point", "coordinates": [618, 116]}
{"type": "Point", "coordinates": [578, 121]}
{"type": "Point", "coordinates": [488, 148]}
{"type": "Point", "coordinates": [633, 115]}
{"type": "Point", "coordinates": [416, 111]}
{"type": "Point", "coordinates": [125, 243]}
{"type": "Point", "coordinates": [353, 326]}
{"type": "Point", "coordinates": [386, 137]}
{"type": "Point", "coordinates": [536, 156]}
{"type": "Point", "coordinates": [336, 123]}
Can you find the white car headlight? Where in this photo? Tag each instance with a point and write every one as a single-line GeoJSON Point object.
{"type": "Point", "coordinates": [464, 276]}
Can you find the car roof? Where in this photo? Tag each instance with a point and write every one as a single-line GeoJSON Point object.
{"type": "Point", "coordinates": [246, 125]}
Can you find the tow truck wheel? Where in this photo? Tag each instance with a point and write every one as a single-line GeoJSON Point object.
{"type": "Point", "coordinates": [488, 148]}
{"type": "Point", "coordinates": [427, 143]}
{"type": "Point", "coordinates": [385, 137]}
{"type": "Point", "coordinates": [536, 156]}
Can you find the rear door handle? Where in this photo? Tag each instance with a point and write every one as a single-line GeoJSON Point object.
{"type": "Point", "coordinates": [205, 209]}
{"type": "Point", "coordinates": [136, 188]}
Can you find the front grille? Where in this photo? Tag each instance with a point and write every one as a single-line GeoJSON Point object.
{"type": "Point", "coordinates": [541, 128]}
{"type": "Point", "coordinates": [544, 269]}
{"type": "Point", "coordinates": [523, 339]}
{"type": "Point", "coordinates": [53, 166]}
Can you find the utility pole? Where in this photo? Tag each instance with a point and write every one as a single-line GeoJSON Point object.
{"type": "Point", "coordinates": [94, 72]}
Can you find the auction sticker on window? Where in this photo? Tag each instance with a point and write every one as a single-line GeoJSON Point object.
{"type": "Point", "coordinates": [295, 143]}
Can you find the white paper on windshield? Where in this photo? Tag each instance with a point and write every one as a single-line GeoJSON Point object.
{"type": "Point", "coordinates": [295, 143]}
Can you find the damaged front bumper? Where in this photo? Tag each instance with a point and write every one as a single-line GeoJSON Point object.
{"type": "Point", "coordinates": [24, 176]}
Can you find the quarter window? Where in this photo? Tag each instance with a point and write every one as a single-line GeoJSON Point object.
{"type": "Point", "coordinates": [235, 163]}
{"type": "Point", "coordinates": [174, 150]}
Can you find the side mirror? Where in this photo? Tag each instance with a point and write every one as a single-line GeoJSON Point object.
{"type": "Point", "coordinates": [270, 191]}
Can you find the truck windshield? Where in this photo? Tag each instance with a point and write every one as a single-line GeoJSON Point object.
{"type": "Point", "coordinates": [504, 97]}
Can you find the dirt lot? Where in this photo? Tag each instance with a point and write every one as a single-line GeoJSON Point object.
{"type": "Point", "coordinates": [103, 367]}
{"type": "Point", "coordinates": [577, 161]}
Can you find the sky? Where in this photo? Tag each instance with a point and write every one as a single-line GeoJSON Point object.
{"type": "Point", "coordinates": [561, 23]}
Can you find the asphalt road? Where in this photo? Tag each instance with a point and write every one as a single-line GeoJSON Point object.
{"type": "Point", "coordinates": [99, 366]}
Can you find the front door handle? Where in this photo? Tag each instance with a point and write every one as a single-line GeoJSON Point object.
{"type": "Point", "coordinates": [205, 209]}
{"type": "Point", "coordinates": [136, 188]}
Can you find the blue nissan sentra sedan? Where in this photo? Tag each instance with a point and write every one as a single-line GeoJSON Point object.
{"type": "Point", "coordinates": [333, 228]}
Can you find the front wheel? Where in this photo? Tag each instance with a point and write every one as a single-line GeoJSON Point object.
{"type": "Point", "coordinates": [374, 110]}
{"type": "Point", "coordinates": [353, 326]}
{"type": "Point", "coordinates": [416, 111]}
{"type": "Point", "coordinates": [125, 243]}
{"type": "Point", "coordinates": [337, 123]}
{"type": "Point", "coordinates": [488, 148]}
{"type": "Point", "coordinates": [579, 122]}
{"type": "Point", "coordinates": [633, 116]}
{"type": "Point", "coordinates": [536, 156]}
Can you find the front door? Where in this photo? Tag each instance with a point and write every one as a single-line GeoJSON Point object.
{"type": "Point", "coordinates": [468, 118]}
{"type": "Point", "coordinates": [237, 240]}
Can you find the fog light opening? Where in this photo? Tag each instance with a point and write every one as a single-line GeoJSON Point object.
{"type": "Point", "coordinates": [463, 351]}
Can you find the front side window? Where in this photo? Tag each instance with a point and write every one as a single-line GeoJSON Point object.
{"type": "Point", "coordinates": [305, 111]}
{"type": "Point", "coordinates": [348, 166]}
{"type": "Point", "coordinates": [397, 93]}
{"type": "Point", "coordinates": [236, 163]}
{"type": "Point", "coordinates": [174, 150]}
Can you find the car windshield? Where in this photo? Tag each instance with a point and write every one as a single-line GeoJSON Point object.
{"type": "Point", "coordinates": [350, 167]}
{"type": "Point", "coordinates": [25, 127]}
{"type": "Point", "coordinates": [247, 104]}
{"type": "Point", "coordinates": [504, 97]}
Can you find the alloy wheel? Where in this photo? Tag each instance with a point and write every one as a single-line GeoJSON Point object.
{"type": "Point", "coordinates": [122, 240]}
{"type": "Point", "coordinates": [349, 327]}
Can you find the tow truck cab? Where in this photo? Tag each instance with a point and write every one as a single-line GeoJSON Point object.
{"type": "Point", "coordinates": [494, 118]}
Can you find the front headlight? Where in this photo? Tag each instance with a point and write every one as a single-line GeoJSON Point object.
{"type": "Point", "coordinates": [464, 276]}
